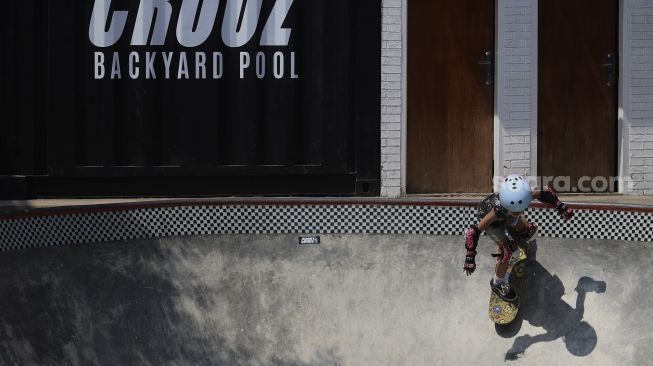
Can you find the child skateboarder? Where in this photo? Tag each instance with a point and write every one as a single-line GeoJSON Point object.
{"type": "Point", "coordinates": [501, 216]}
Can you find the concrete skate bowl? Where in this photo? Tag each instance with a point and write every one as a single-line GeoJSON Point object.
{"type": "Point", "coordinates": [230, 284]}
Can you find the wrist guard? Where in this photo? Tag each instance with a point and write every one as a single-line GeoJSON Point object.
{"type": "Point", "coordinates": [470, 262]}
{"type": "Point", "coordinates": [471, 238]}
{"type": "Point", "coordinates": [549, 196]}
{"type": "Point", "coordinates": [565, 212]}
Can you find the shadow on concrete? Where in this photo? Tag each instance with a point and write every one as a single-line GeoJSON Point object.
{"type": "Point", "coordinates": [542, 306]}
{"type": "Point", "coordinates": [126, 304]}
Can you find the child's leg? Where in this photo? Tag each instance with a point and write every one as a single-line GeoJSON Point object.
{"type": "Point", "coordinates": [501, 267]}
{"type": "Point", "coordinates": [522, 225]}
{"type": "Point", "coordinates": [498, 234]}
{"type": "Point", "coordinates": [523, 229]}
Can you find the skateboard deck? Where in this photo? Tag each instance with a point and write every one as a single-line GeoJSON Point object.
{"type": "Point", "coordinates": [501, 311]}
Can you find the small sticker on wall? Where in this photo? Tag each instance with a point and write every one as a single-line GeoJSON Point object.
{"type": "Point", "coordinates": [309, 240]}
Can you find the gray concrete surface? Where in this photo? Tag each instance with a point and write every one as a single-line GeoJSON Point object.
{"type": "Point", "coordinates": [351, 300]}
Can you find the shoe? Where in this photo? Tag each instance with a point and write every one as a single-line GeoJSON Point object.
{"type": "Point", "coordinates": [504, 291]}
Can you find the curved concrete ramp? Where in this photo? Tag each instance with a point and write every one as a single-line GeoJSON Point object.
{"type": "Point", "coordinates": [351, 300]}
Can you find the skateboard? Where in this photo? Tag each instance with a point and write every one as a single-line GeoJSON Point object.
{"type": "Point", "coordinates": [501, 311]}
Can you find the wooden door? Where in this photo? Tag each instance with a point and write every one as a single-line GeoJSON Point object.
{"type": "Point", "coordinates": [450, 96]}
{"type": "Point", "coordinates": [577, 110]}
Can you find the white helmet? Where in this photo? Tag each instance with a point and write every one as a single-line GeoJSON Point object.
{"type": "Point", "coordinates": [515, 193]}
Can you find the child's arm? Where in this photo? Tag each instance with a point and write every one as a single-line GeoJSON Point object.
{"type": "Point", "coordinates": [487, 221]}
{"type": "Point", "coordinates": [471, 241]}
{"type": "Point", "coordinates": [547, 195]}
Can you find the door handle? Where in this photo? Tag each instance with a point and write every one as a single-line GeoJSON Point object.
{"type": "Point", "coordinates": [611, 67]}
{"type": "Point", "coordinates": [488, 61]}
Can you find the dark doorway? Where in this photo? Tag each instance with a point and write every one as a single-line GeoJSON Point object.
{"type": "Point", "coordinates": [450, 96]}
{"type": "Point", "coordinates": [577, 125]}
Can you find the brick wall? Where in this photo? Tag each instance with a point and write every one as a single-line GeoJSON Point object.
{"type": "Point", "coordinates": [516, 77]}
{"type": "Point", "coordinates": [639, 110]}
{"type": "Point", "coordinates": [391, 98]}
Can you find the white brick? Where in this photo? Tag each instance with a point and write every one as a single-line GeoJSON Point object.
{"type": "Point", "coordinates": [393, 12]}
{"type": "Point", "coordinates": [514, 59]}
{"type": "Point", "coordinates": [518, 108]}
{"type": "Point", "coordinates": [390, 126]}
{"type": "Point", "coordinates": [393, 174]}
{"type": "Point", "coordinates": [520, 115]}
{"type": "Point", "coordinates": [642, 153]}
{"type": "Point", "coordinates": [519, 123]}
{"type": "Point", "coordinates": [390, 118]}
{"type": "Point", "coordinates": [515, 44]}
{"type": "Point", "coordinates": [518, 91]}
{"type": "Point", "coordinates": [515, 11]}
{"type": "Point", "coordinates": [642, 169]}
{"type": "Point", "coordinates": [638, 35]}
{"type": "Point", "coordinates": [643, 11]}
{"type": "Point", "coordinates": [638, 20]}
{"type": "Point", "coordinates": [389, 18]}
{"type": "Point", "coordinates": [515, 140]}
{"type": "Point", "coordinates": [391, 166]}
{"type": "Point", "coordinates": [393, 110]}
{"type": "Point", "coordinates": [520, 164]}
{"type": "Point", "coordinates": [521, 19]}
{"type": "Point", "coordinates": [391, 134]}
{"type": "Point", "coordinates": [391, 101]}
{"type": "Point", "coordinates": [396, 182]}
{"type": "Point", "coordinates": [637, 162]}
{"type": "Point", "coordinates": [393, 44]}
{"type": "Point", "coordinates": [390, 69]}
{"type": "Point", "coordinates": [387, 52]}
{"type": "Point", "coordinates": [390, 143]}
{"type": "Point", "coordinates": [391, 28]}
{"type": "Point", "coordinates": [391, 36]}
{"type": "Point", "coordinates": [641, 138]}
{"type": "Point", "coordinates": [394, 77]}
{"type": "Point", "coordinates": [515, 156]}
{"type": "Point", "coordinates": [391, 158]}
{"type": "Point", "coordinates": [643, 185]}
{"type": "Point", "coordinates": [393, 93]}
{"type": "Point", "coordinates": [517, 99]}
{"type": "Point", "coordinates": [519, 67]}
{"type": "Point", "coordinates": [520, 84]}
{"type": "Point", "coordinates": [394, 85]}
{"type": "Point", "coordinates": [520, 131]}
{"type": "Point", "coordinates": [636, 146]}
{"type": "Point", "coordinates": [391, 4]}
{"type": "Point", "coordinates": [518, 75]}
{"type": "Point", "coordinates": [520, 147]}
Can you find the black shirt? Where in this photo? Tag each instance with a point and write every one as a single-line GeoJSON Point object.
{"type": "Point", "coordinates": [492, 203]}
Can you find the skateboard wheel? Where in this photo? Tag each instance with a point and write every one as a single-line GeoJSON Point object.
{"type": "Point", "coordinates": [519, 269]}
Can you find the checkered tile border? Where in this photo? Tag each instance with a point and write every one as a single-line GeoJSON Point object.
{"type": "Point", "coordinates": [158, 222]}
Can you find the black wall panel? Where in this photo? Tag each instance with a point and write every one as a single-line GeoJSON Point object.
{"type": "Point", "coordinates": [74, 128]}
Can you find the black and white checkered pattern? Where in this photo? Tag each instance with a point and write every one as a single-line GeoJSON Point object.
{"type": "Point", "coordinates": [158, 222]}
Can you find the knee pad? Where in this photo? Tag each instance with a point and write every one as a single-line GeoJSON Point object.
{"type": "Point", "coordinates": [506, 251]}
{"type": "Point", "coordinates": [529, 233]}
